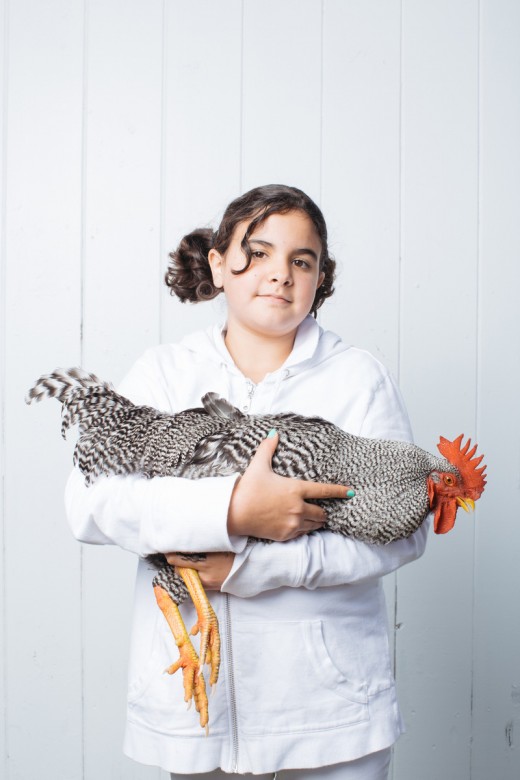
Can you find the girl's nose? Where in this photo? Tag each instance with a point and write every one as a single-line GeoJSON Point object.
{"type": "Point", "coordinates": [281, 273]}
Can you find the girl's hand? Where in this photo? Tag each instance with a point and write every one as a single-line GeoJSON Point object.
{"type": "Point", "coordinates": [269, 506]}
{"type": "Point", "coordinates": [213, 568]}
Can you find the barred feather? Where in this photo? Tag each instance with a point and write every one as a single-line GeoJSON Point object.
{"type": "Point", "coordinates": [117, 437]}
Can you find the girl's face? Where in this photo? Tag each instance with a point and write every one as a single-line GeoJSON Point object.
{"type": "Point", "coordinates": [277, 291]}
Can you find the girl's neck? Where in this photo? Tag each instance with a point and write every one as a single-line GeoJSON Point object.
{"type": "Point", "coordinates": [256, 354]}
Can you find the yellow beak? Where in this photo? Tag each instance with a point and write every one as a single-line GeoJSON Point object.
{"type": "Point", "coordinates": [467, 504]}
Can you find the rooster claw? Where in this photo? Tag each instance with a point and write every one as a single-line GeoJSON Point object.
{"type": "Point", "coordinates": [206, 625]}
{"type": "Point", "coordinates": [193, 679]}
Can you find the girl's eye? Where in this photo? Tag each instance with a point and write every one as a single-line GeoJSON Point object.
{"type": "Point", "coordinates": [301, 263]}
{"type": "Point", "coordinates": [258, 254]}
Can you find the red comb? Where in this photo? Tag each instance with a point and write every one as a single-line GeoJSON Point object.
{"type": "Point", "coordinates": [462, 458]}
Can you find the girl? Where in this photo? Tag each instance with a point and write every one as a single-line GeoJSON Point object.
{"type": "Point", "coordinates": [306, 688]}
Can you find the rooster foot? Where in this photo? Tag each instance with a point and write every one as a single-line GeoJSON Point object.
{"type": "Point", "coordinates": [207, 623]}
{"type": "Point", "coordinates": [193, 679]}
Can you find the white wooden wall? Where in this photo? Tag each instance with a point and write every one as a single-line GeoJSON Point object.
{"type": "Point", "coordinates": [128, 122]}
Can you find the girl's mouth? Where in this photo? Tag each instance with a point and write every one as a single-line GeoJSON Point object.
{"type": "Point", "coordinates": [275, 298]}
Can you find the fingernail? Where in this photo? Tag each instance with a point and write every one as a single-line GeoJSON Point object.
{"type": "Point", "coordinates": [351, 493]}
{"type": "Point", "coordinates": [271, 433]}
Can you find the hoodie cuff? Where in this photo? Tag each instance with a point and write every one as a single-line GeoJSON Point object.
{"type": "Point", "coordinates": [201, 525]}
{"type": "Point", "coordinates": [260, 567]}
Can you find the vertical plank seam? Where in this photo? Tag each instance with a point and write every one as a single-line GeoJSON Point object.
{"type": "Point", "coordinates": [163, 172]}
{"type": "Point", "coordinates": [401, 197]}
{"type": "Point", "coordinates": [241, 98]}
{"type": "Point", "coordinates": [399, 303]}
{"type": "Point", "coordinates": [400, 281]}
{"type": "Point", "coordinates": [478, 343]}
{"type": "Point", "coordinates": [322, 101]}
{"type": "Point", "coordinates": [3, 319]}
{"type": "Point", "coordinates": [82, 266]}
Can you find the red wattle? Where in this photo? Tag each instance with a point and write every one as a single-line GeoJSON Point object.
{"type": "Point", "coordinates": [444, 518]}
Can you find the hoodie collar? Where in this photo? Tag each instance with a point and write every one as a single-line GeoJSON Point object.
{"type": "Point", "coordinates": [311, 346]}
{"type": "Point", "coordinates": [305, 344]}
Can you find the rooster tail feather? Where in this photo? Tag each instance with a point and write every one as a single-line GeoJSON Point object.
{"type": "Point", "coordinates": [85, 398]}
{"type": "Point", "coordinates": [62, 383]}
{"type": "Point", "coordinates": [116, 437]}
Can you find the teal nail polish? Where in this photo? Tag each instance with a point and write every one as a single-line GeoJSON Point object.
{"type": "Point", "coordinates": [271, 433]}
{"type": "Point", "coordinates": [351, 493]}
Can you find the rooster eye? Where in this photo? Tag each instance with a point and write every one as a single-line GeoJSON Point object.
{"type": "Point", "coordinates": [449, 480]}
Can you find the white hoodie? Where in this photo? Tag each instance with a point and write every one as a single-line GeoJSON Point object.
{"type": "Point", "coordinates": [305, 679]}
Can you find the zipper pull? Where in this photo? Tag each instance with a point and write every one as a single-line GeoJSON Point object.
{"type": "Point", "coordinates": [251, 387]}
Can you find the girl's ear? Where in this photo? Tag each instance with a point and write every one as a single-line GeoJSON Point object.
{"type": "Point", "coordinates": [321, 278]}
{"type": "Point", "coordinates": [216, 262]}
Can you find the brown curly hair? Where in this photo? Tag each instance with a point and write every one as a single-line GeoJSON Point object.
{"type": "Point", "coordinates": [189, 273]}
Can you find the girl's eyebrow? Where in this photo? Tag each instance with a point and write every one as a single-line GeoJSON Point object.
{"type": "Point", "coordinates": [302, 251]}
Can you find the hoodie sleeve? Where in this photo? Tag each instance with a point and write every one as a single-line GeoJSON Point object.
{"type": "Point", "coordinates": [144, 516]}
{"type": "Point", "coordinates": [323, 558]}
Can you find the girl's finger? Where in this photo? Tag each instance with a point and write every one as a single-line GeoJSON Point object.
{"type": "Point", "coordinates": [312, 525]}
{"type": "Point", "coordinates": [314, 514]}
{"type": "Point", "coordinates": [179, 560]}
{"type": "Point", "coordinates": [322, 490]}
{"type": "Point", "coordinates": [266, 449]}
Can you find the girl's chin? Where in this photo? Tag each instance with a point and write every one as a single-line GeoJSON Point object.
{"type": "Point", "coordinates": [267, 319]}
{"type": "Point", "coordinates": [273, 326]}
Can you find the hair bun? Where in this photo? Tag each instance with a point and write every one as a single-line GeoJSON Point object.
{"type": "Point", "coordinates": [189, 273]}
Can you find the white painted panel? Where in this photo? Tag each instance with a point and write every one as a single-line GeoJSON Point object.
{"type": "Point", "coordinates": [282, 94]}
{"type": "Point", "coordinates": [42, 242]}
{"type": "Point", "coordinates": [121, 316]}
{"type": "Point", "coordinates": [361, 158]}
{"type": "Point", "coordinates": [496, 700]}
{"type": "Point", "coordinates": [438, 368]}
{"type": "Point", "coordinates": [123, 170]}
{"type": "Point", "coordinates": [201, 135]}
{"type": "Point", "coordinates": [360, 178]}
{"type": "Point", "coordinates": [3, 147]}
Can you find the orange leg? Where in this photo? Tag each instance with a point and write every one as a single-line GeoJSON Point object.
{"type": "Point", "coordinates": [193, 679]}
{"type": "Point", "coordinates": [207, 623]}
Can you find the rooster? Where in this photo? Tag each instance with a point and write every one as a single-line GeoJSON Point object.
{"type": "Point", "coordinates": [396, 484]}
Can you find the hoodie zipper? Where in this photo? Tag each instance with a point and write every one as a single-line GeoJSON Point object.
{"type": "Point", "coordinates": [232, 694]}
{"type": "Point", "coordinates": [251, 387]}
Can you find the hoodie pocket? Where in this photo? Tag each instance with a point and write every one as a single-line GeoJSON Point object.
{"type": "Point", "coordinates": [287, 682]}
{"type": "Point", "coordinates": [143, 669]}
{"type": "Point", "coordinates": [156, 700]}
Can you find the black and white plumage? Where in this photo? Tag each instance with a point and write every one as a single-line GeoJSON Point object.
{"type": "Point", "coordinates": [390, 478]}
